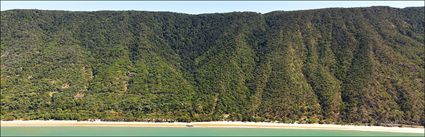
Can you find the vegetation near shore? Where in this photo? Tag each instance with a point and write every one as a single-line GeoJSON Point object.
{"type": "Point", "coordinates": [357, 65]}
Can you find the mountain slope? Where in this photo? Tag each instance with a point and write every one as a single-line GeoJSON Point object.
{"type": "Point", "coordinates": [357, 65]}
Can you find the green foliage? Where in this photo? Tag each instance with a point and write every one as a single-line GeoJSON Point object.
{"type": "Point", "coordinates": [358, 65]}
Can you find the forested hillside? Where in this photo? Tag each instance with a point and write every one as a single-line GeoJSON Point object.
{"type": "Point", "coordinates": [356, 65]}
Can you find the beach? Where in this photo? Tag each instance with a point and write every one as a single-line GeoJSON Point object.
{"type": "Point", "coordinates": [215, 124]}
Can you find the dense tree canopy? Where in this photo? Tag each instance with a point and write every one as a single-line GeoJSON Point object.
{"type": "Point", "coordinates": [357, 65]}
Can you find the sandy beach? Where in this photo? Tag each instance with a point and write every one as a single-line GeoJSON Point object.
{"type": "Point", "coordinates": [217, 124]}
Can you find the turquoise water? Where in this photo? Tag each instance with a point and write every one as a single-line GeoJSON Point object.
{"type": "Point", "coordinates": [159, 131]}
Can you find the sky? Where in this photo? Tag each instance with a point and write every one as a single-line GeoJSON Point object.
{"type": "Point", "coordinates": [198, 7]}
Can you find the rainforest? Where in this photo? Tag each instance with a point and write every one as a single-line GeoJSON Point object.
{"type": "Point", "coordinates": [334, 65]}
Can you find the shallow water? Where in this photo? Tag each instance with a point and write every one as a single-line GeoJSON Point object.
{"type": "Point", "coordinates": [162, 131]}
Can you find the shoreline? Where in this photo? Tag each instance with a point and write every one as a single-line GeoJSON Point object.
{"type": "Point", "coordinates": [213, 124]}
